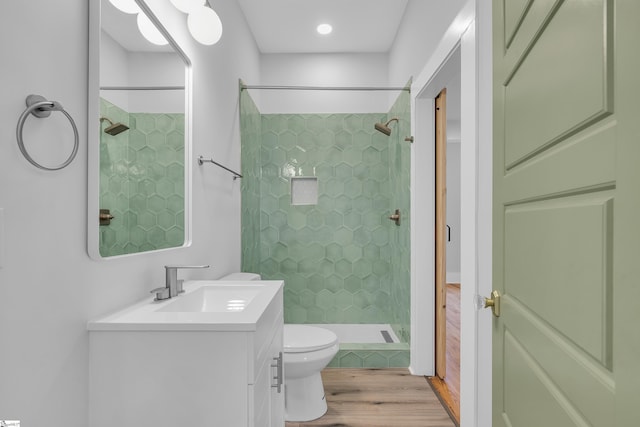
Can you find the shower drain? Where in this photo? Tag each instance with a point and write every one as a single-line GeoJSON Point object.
{"type": "Point", "coordinates": [386, 336]}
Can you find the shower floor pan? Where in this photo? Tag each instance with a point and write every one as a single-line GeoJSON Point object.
{"type": "Point", "coordinates": [368, 346]}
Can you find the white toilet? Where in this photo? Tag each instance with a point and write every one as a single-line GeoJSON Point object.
{"type": "Point", "coordinates": [307, 351]}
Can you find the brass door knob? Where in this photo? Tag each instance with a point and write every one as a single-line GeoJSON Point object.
{"type": "Point", "coordinates": [494, 303]}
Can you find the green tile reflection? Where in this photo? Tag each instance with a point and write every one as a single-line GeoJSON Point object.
{"type": "Point", "coordinates": [142, 177]}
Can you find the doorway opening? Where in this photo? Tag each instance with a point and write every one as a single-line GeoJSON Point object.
{"type": "Point", "coordinates": [459, 51]}
{"type": "Point", "coordinates": [446, 382]}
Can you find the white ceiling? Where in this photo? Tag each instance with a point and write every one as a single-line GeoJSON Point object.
{"type": "Point", "coordinates": [289, 26]}
{"type": "Point", "coordinates": [123, 28]}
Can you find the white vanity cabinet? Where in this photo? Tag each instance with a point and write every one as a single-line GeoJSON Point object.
{"type": "Point", "coordinates": [266, 394]}
{"type": "Point", "coordinates": [195, 374]}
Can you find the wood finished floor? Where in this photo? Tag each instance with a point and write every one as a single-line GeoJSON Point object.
{"type": "Point", "coordinates": [449, 388]}
{"type": "Point", "coordinates": [378, 398]}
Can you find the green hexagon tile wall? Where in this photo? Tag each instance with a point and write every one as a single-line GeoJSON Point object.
{"type": "Point", "coordinates": [342, 260]}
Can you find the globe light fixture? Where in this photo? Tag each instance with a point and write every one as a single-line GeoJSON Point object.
{"type": "Point", "coordinates": [149, 31]}
{"type": "Point", "coordinates": [187, 6]}
{"type": "Point", "coordinates": [204, 25]}
{"type": "Point", "coordinates": [126, 6]}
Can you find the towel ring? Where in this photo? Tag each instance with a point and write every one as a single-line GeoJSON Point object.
{"type": "Point", "coordinates": [41, 108]}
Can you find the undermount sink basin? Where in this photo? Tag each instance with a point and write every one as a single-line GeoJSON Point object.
{"type": "Point", "coordinates": [206, 305]}
{"type": "Point", "coordinates": [210, 299]}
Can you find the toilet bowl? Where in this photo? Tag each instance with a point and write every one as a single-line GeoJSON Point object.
{"type": "Point", "coordinates": [307, 351]}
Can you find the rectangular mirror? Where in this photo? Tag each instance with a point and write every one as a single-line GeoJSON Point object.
{"type": "Point", "coordinates": [139, 133]}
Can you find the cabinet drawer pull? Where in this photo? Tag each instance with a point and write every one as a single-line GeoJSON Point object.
{"type": "Point", "coordinates": [279, 373]}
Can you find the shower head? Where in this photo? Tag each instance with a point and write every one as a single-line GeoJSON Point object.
{"type": "Point", "coordinates": [384, 128]}
{"type": "Point", "coordinates": [114, 128]}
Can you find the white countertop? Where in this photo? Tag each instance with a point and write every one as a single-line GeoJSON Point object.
{"type": "Point", "coordinates": [148, 315]}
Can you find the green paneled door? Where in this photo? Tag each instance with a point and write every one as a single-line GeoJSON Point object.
{"type": "Point", "coordinates": [566, 346]}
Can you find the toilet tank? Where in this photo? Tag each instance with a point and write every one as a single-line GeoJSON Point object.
{"type": "Point", "coordinates": [241, 276]}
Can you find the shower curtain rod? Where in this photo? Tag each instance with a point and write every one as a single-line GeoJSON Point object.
{"type": "Point", "coordinates": [142, 88]}
{"type": "Point", "coordinates": [346, 88]}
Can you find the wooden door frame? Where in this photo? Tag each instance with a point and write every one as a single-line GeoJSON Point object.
{"type": "Point", "coordinates": [469, 37]}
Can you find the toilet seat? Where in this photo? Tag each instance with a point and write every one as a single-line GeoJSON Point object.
{"type": "Point", "coordinates": [304, 338]}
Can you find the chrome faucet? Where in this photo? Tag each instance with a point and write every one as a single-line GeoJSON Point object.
{"type": "Point", "coordinates": [173, 286]}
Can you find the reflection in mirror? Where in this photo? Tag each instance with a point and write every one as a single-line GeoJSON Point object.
{"type": "Point", "coordinates": [142, 138]}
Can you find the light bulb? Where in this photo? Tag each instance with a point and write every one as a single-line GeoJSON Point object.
{"type": "Point", "coordinates": [324, 29]}
{"type": "Point", "coordinates": [149, 30]}
{"type": "Point", "coordinates": [205, 25]}
{"type": "Point", "coordinates": [126, 6]}
{"type": "Point", "coordinates": [187, 6]}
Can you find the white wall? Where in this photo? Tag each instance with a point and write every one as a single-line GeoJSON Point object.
{"type": "Point", "coordinates": [423, 25]}
{"type": "Point", "coordinates": [453, 178]}
{"type": "Point", "coordinates": [154, 101]}
{"type": "Point", "coordinates": [119, 67]}
{"type": "Point", "coordinates": [156, 69]}
{"type": "Point", "coordinates": [49, 287]}
{"type": "Point", "coordinates": [453, 211]}
{"type": "Point", "coordinates": [339, 69]}
{"type": "Point", "coordinates": [114, 70]}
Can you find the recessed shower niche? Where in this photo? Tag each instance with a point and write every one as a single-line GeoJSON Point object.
{"type": "Point", "coordinates": [138, 151]}
{"type": "Point", "coordinates": [304, 190]}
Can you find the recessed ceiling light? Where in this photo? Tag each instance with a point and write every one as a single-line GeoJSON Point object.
{"type": "Point", "coordinates": [324, 29]}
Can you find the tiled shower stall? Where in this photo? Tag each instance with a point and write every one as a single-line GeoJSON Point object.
{"type": "Point", "coordinates": [343, 261]}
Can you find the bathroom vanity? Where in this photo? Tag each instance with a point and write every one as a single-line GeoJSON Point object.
{"type": "Point", "coordinates": [209, 357]}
